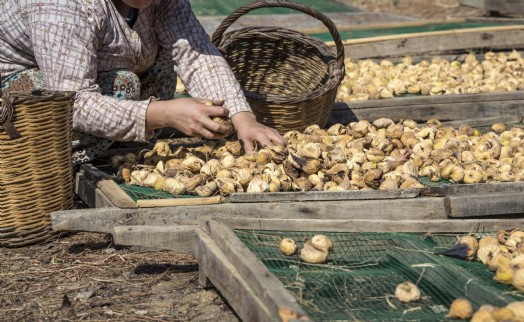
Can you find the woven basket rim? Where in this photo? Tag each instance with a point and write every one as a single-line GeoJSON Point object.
{"type": "Point", "coordinates": [335, 76]}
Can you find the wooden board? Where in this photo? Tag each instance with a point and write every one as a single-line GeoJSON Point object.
{"type": "Point", "coordinates": [179, 238]}
{"type": "Point", "coordinates": [496, 6]}
{"type": "Point", "coordinates": [232, 285]}
{"type": "Point", "coordinates": [264, 284]}
{"type": "Point", "coordinates": [324, 195]}
{"type": "Point", "coordinates": [379, 47]}
{"type": "Point", "coordinates": [443, 107]}
{"type": "Point", "coordinates": [104, 219]}
{"type": "Point", "coordinates": [486, 204]}
{"type": "Point", "coordinates": [375, 225]}
{"type": "Point", "coordinates": [454, 189]}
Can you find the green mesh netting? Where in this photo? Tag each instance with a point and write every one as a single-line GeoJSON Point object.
{"type": "Point", "coordinates": [358, 282]}
{"type": "Point", "coordinates": [226, 7]}
{"type": "Point", "coordinates": [137, 193]}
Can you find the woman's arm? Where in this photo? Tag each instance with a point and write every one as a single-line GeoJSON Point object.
{"type": "Point", "coordinates": [205, 72]}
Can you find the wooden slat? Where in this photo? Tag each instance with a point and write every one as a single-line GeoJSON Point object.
{"type": "Point", "coordinates": [264, 284]}
{"type": "Point", "coordinates": [505, 6]}
{"type": "Point", "coordinates": [453, 189]}
{"type": "Point", "coordinates": [377, 225]}
{"type": "Point", "coordinates": [231, 284]}
{"type": "Point", "coordinates": [433, 100]}
{"type": "Point", "coordinates": [102, 220]}
{"type": "Point", "coordinates": [117, 196]}
{"type": "Point", "coordinates": [150, 203]}
{"type": "Point", "coordinates": [436, 44]}
{"type": "Point", "coordinates": [180, 238]}
{"type": "Point", "coordinates": [486, 204]}
{"type": "Point", "coordinates": [324, 195]}
{"type": "Point", "coordinates": [450, 111]}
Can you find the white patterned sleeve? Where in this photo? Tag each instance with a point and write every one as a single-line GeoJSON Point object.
{"type": "Point", "coordinates": [64, 37]}
{"type": "Point", "coordinates": [198, 63]}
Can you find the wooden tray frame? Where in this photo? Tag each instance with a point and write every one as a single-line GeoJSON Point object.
{"type": "Point", "coordinates": [256, 294]}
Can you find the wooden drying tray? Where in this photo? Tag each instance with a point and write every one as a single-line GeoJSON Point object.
{"type": "Point", "coordinates": [224, 262]}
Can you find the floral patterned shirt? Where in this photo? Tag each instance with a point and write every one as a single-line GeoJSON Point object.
{"type": "Point", "coordinates": [72, 40]}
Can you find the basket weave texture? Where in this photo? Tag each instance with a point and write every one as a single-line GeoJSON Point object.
{"type": "Point", "coordinates": [290, 79]}
{"type": "Point", "coordinates": [36, 175]}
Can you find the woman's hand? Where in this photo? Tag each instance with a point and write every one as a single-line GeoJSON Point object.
{"type": "Point", "coordinates": [250, 131]}
{"type": "Point", "coordinates": [191, 116]}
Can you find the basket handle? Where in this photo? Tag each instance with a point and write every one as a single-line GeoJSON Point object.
{"type": "Point", "coordinates": [229, 20]}
{"type": "Point", "coordinates": [6, 113]}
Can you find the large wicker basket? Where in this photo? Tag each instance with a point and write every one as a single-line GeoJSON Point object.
{"type": "Point", "coordinates": [290, 79]}
{"type": "Point", "coordinates": [36, 175]}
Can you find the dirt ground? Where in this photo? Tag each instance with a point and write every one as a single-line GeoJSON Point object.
{"type": "Point", "coordinates": [84, 276]}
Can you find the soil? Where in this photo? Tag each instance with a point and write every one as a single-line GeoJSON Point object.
{"type": "Point", "coordinates": [84, 276]}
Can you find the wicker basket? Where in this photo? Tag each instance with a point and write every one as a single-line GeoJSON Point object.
{"type": "Point", "coordinates": [290, 79]}
{"type": "Point", "coordinates": [36, 175]}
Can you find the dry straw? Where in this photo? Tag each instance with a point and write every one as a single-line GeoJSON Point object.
{"type": "Point", "coordinates": [36, 175]}
{"type": "Point", "coordinates": [290, 79]}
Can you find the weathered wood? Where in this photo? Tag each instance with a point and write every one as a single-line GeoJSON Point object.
{"type": "Point", "coordinates": [306, 24]}
{"type": "Point", "coordinates": [101, 200]}
{"type": "Point", "coordinates": [433, 99]}
{"type": "Point", "coordinates": [473, 3]}
{"type": "Point", "coordinates": [180, 238]}
{"type": "Point", "coordinates": [92, 173]}
{"type": "Point", "coordinates": [150, 203]}
{"type": "Point", "coordinates": [505, 6]}
{"type": "Point", "coordinates": [324, 195]}
{"type": "Point", "coordinates": [454, 189]}
{"type": "Point", "coordinates": [102, 220]}
{"type": "Point", "coordinates": [436, 44]}
{"type": "Point", "coordinates": [377, 225]}
{"type": "Point", "coordinates": [446, 109]}
{"type": "Point", "coordinates": [117, 196]}
{"type": "Point", "coordinates": [486, 204]}
{"type": "Point", "coordinates": [264, 284]}
{"type": "Point", "coordinates": [231, 284]}
{"type": "Point", "coordinates": [485, 121]}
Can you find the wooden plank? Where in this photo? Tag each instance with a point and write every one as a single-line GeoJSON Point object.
{"type": "Point", "coordinates": [180, 238]}
{"type": "Point", "coordinates": [93, 173]}
{"type": "Point", "coordinates": [485, 121]}
{"type": "Point", "coordinates": [481, 4]}
{"type": "Point", "coordinates": [150, 203]}
{"type": "Point", "coordinates": [231, 284]}
{"type": "Point", "coordinates": [101, 200]}
{"type": "Point", "coordinates": [486, 204]}
{"type": "Point", "coordinates": [375, 225]}
{"type": "Point", "coordinates": [505, 6]}
{"type": "Point", "coordinates": [102, 220]}
{"type": "Point", "coordinates": [454, 189]}
{"type": "Point", "coordinates": [421, 113]}
{"type": "Point", "coordinates": [117, 196]}
{"type": "Point", "coordinates": [324, 195]}
{"type": "Point", "coordinates": [406, 101]}
{"type": "Point", "coordinates": [265, 285]}
{"type": "Point", "coordinates": [436, 44]}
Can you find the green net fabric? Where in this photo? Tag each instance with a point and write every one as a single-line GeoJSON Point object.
{"type": "Point", "coordinates": [358, 282]}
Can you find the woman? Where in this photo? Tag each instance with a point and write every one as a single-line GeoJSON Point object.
{"type": "Point", "coordinates": [121, 57]}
